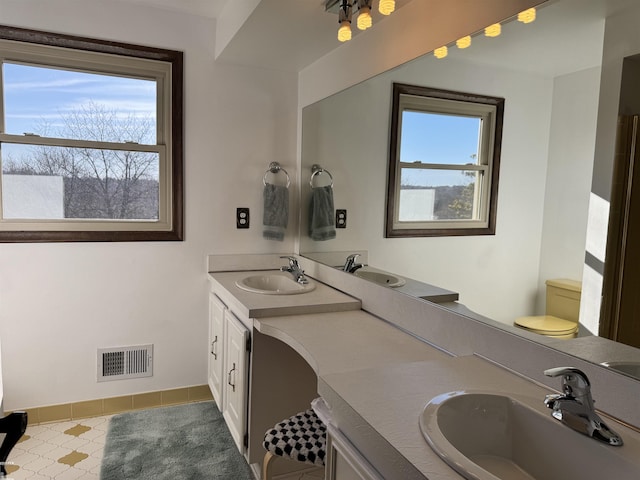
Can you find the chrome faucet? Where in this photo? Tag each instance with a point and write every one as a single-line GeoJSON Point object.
{"type": "Point", "coordinates": [350, 264]}
{"type": "Point", "coordinates": [574, 407]}
{"type": "Point", "coordinates": [295, 270]}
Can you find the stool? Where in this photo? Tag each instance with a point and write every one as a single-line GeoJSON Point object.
{"type": "Point", "coordinates": [302, 438]}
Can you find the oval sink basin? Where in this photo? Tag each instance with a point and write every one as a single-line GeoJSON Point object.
{"type": "Point", "coordinates": [381, 278]}
{"type": "Point", "coordinates": [485, 436]}
{"type": "Point", "coordinates": [274, 284]}
{"type": "Point", "coordinates": [628, 368]}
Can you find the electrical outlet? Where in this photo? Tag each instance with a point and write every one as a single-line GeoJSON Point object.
{"type": "Point", "coordinates": [341, 218]}
{"type": "Point", "coordinates": [242, 217]}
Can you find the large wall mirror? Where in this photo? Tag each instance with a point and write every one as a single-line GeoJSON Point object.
{"type": "Point", "coordinates": [550, 74]}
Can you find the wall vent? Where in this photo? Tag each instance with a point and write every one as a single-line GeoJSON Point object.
{"type": "Point", "coordinates": [125, 362]}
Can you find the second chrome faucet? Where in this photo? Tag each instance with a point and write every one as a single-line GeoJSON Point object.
{"type": "Point", "coordinates": [574, 406]}
{"type": "Point", "coordinates": [350, 264]}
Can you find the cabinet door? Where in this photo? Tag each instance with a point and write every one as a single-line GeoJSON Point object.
{"type": "Point", "coordinates": [236, 366]}
{"type": "Point", "coordinates": [216, 348]}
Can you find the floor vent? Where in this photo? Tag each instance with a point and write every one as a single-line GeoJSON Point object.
{"type": "Point", "coordinates": [125, 362]}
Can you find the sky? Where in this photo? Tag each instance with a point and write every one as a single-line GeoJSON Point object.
{"type": "Point", "coordinates": [33, 95]}
{"type": "Point", "coordinates": [434, 138]}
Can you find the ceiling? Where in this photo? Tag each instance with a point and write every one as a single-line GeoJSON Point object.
{"type": "Point", "coordinates": [289, 35]}
{"type": "Point", "coordinates": [204, 8]}
{"type": "Point", "coordinates": [279, 34]}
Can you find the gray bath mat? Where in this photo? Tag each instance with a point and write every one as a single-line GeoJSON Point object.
{"type": "Point", "coordinates": [185, 442]}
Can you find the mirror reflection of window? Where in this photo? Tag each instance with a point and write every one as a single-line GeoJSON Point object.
{"type": "Point", "coordinates": [443, 168]}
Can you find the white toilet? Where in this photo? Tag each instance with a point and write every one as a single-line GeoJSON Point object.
{"type": "Point", "coordinates": [562, 311]}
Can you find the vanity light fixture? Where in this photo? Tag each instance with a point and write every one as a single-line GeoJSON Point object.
{"type": "Point", "coordinates": [386, 7]}
{"type": "Point", "coordinates": [344, 17]}
{"type": "Point", "coordinates": [527, 16]}
{"type": "Point", "coordinates": [463, 42]}
{"type": "Point", "coordinates": [493, 30]}
{"type": "Point", "coordinates": [363, 9]}
{"type": "Point", "coordinates": [364, 14]}
{"type": "Point", "coordinates": [441, 52]}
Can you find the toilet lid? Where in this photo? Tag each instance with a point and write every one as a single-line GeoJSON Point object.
{"type": "Point", "coordinates": [547, 325]}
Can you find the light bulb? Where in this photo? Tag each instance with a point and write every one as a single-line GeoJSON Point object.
{"type": "Point", "coordinates": [493, 30]}
{"type": "Point", "coordinates": [527, 16]}
{"type": "Point", "coordinates": [344, 32]}
{"type": "Point", "coordinates": [386, 7]}
{"type": "Point", "coordinates": [364, 18]}
{"type": "Point", "coordinates": [463, 42]}
{"type": "Point", "coordinates": [440, 52]}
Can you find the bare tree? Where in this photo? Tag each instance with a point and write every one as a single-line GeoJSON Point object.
{"type": "Point", "coordinates": [100, 183]}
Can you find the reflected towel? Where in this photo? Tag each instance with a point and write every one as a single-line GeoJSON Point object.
{"type": "Point", "coordinates": [321, 221]}
{"type": "Point", "coordinates": [276, 211]}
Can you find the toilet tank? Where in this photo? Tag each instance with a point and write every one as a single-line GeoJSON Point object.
{"type": "Point", "coordinates": [563, 298]}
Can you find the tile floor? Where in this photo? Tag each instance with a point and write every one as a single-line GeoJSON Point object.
{"type": "Point", "coordinates": [62, 451]}
{"type": "Point", "coordinates": [72, 451]}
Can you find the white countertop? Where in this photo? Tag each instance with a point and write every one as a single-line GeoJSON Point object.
{"type": "Point", "coordinates": [345, 341]}
{"type": "Point", "coordinates": [377, 379]}
{"type": "Point", "coordinates": [256, 305]}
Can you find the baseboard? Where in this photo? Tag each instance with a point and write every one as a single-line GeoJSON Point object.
{"type": "Point", "coordinates": [113, 405]}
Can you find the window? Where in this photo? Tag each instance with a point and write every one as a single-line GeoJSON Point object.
{"type": "Point", "coordinates": [443, 163]}
{"type": "Point", "coordinates": [90, 140]}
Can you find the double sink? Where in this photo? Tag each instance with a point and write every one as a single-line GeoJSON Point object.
{"type": "Point", "coordinates": [491, 436]}
{"type": "Point", "coordinates": [283, 284]}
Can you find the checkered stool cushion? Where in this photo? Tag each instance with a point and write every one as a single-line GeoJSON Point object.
{"type": "Point", "coordinates": [302, 437]}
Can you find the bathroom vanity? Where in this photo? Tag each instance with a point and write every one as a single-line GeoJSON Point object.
{"type": "Point", "coordinates": [376, 358]}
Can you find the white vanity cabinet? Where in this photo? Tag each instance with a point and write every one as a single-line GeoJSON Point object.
{"type": "Point", "coordinates": [216, 346]}
{"type": "Point", "coordinates": [344, 461]}
{"type": "Point", "coordinates": [228, 366]}
{"type": "Point", "coordinates": [236, 358]}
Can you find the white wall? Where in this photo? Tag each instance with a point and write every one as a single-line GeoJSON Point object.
{"type": "Point", "coordinates": [60, 302]}
{"type": "Point", "coordinates": [568, 182]}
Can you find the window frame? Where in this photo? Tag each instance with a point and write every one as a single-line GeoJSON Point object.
{"type": "Point", "coordinates": [432, 100]}
{"type": "Point", "coordinates": [33, 47]}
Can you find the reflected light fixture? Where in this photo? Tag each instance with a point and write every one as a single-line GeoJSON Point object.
{"type": "Point", "coordinates": [493, 30]}
{"type": "Point", "coordinates": [386, 7]}
{"type": "Point", "coordinates": [463, 42]}
{"type": "Point", "coordinates": [527, 16]}
{"type": "Point", "coordinates": [344, 17]}
{"type": "Point", "coordinates": [364, 14]}
{"type": "Point", "coordinates": [441, 52]}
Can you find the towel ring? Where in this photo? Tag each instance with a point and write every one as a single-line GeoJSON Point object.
{"type": "Point", "coordinates": [274, 167]}
{"type": "Point", "coordinates": [318, 170]}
